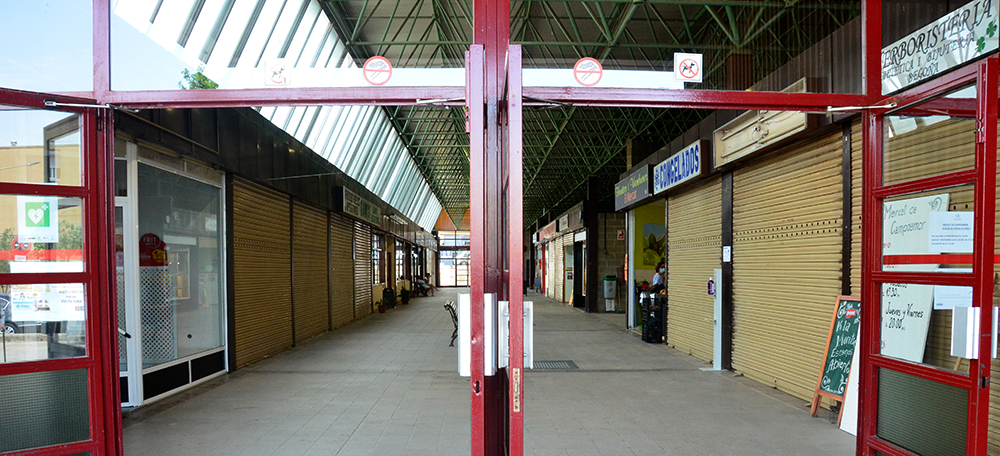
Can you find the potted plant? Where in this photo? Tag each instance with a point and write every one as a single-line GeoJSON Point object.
{"type": "Point", "coordinates": [381, 307]}
{"type": "Point", "coordinates": [404, 296]}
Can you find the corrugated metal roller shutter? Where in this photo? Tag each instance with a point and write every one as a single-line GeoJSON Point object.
{"type": "Point", "coordinates": [362, 270]}
{"type": "Point", "coordinates": [550, 272]}
{"type": "Point", "coordinates": [262, 257]}
{"type": "Point", "coordinates": [787, 228]}
{"type": "Point", "coordinates": [695, 239]}
{"type": "Point", "coordinates": [856, 197]}
{"type": "Point", "coordinates": [312, 305]}
{"type": "Point", "coordinates": [560, 268]}
{"type": "Point", "coordinates": [341, 270]}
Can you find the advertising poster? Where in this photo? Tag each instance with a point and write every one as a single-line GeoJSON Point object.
{"type": "Point", "coordinates": [906, 308]}
{"type": "Point", "coordinates": [650, 239]}
{"type": "Point", "coordinates": [650, 235]}
{"type": "Point", "coordinates": [48, 302]}
{"type": "Point", "coordinates": [37, 218]}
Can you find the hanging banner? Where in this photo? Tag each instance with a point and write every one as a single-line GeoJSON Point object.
{"type": "Point", "coordinates": [959, 37]}
{"type": "Point", "coordinates": [906, 307]}
{"type": "Point", "coordinates": [37, 218]}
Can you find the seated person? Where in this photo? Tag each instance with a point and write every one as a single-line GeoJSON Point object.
{"type": "Point", "coordinates": [659, 282]}
{"type": "Point", "coordinates": [421, 286]}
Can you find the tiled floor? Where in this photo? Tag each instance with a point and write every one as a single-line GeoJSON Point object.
{"type": "Point", "coordinates": [388, 385]}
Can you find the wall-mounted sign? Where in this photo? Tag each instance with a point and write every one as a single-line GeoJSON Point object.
{"type": "Point", "coordinates": [756, 130]}
{"type": "Point", "coordinates": [633, 189]}
{"type": "Point", "coordinates": [959, 37]}
{"type": "Point", "coordinates": [277, 73]}
{"type": "Point", "coordinates": [588, 71]}
{"type": "Point", "coordinates": [377, 70]}
{"type": "Point", "coordinates": [37, 218]}
{"type": "Point", "coordinates": [354, 205]}
{"type": "Point", "coordinates": [563, 223]}
{"type": "Point", "coordinates": [687, 67]}
{"type": "Point", "coordinates": [681, 167]}
{"type": "Point", "coordinates": [547, 233]}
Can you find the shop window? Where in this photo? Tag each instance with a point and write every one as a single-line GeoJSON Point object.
{"type": "Point", "coordinates": [400, 257]}
{"type": "Point", "coordinates": [378, 252]}
{"type": "Point", "coordinates": [180, 281]}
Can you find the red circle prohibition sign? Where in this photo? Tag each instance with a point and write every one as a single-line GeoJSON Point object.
{"type": "Point", "coordinates": [688, 68]}
{"type": "Point", "coordinates": [19, 246]}
{"type": "Point", "coordinates": [377, 70]}
{"type": "Point", "coordinates": [588, 71]}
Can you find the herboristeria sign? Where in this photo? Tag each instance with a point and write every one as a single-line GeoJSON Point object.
{"type": "Point", "coordinates": [681, 167]}
{"type": "Point", "coordinates": [957, 38]}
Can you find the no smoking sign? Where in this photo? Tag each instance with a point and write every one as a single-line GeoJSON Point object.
{"type": "Point", "coordinates": [687, 67]}
{"type": "Point", "coordinates": [588, 71]}
{"type": "Point", "coordinates": [377, 70]}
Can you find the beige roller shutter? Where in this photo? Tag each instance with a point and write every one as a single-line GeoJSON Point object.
{"type": "Point", "coordinates": [856, 197]}
{"type": "Point", "coordinates": [341, 270]}
{"type": "Point", "coordinates": [309, 256]}
{"type": "Point", "coordinates": [262, 258]}
{"type": "Point", "coordinates": [694, 235]}
{"type": "Point", "coordinates": [362, 270]}
{"type": "Point", "coordinates": [550, 272]}
{"type": "Point", "coordinates": [560, 276]}
{"type": "Point", "coordinates": [787, 228]}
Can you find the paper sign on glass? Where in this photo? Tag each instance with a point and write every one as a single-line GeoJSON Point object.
{"type": "Point", "coordinates": [950, 232]}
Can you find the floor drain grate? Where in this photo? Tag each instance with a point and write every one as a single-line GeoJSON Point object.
{"type": "Point", "coordinates": [555, 365]}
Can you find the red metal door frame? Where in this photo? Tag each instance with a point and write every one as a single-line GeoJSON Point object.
{"type": "Point", "coordinates": [97, 205]}
{"type": "Point", "coordinates": [493, 157]}
{"type": "Point", "coordinates": [985, 75]}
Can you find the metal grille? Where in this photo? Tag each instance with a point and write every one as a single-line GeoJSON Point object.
{"type": "Point", "coordinates": [43, 408]}
{"type": "Point", "coordinates": [159, 319]}
{"type": "Point", "coordinates": [695, 239]}
{"type": "Point", "coordinates": [556, 365]}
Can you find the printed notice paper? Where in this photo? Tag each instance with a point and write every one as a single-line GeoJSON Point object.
{"type": "Point", "coordinates": [950, 232]}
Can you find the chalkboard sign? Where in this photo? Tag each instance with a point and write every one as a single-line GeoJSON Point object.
{"type": "Point", "coordinates": [843, 337]}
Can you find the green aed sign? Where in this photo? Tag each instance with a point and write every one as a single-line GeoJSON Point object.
{"type": "Point", "coordinates": [633, 189]}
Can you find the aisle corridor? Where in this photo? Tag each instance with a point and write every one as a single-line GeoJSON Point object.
{"type": "Point", "coordinates": [388, 385]}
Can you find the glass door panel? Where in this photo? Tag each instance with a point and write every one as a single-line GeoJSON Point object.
{"type": "Point", "coordinates": [926, 283]}
{"type": "Point", "coordinates": [52, 230]}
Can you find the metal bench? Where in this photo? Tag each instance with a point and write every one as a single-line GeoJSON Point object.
{"type": "Point", "coordinates": [450, 307]}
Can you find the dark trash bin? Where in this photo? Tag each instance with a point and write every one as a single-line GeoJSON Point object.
{"type": "Point", "coordinates": [653, 317]}
{"type": "Point", "coordinates": [389, 298]}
